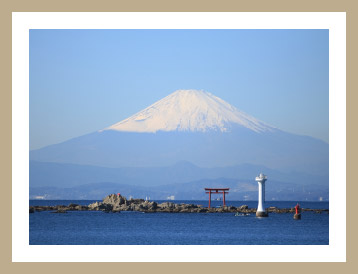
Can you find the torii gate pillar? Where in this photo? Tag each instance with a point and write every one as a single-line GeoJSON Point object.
{"type": "Point", "coordinates": [210, 191]}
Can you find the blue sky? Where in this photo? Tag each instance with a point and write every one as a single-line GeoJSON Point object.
{"type": "Point", "coordinates": [85, 80]}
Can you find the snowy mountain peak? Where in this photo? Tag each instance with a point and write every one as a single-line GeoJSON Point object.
{"type": "Point", "coordinates": [189, 110]}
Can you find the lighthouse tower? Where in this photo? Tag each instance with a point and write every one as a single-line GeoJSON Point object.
{"type": "Point", "coordinates": [261, 212]}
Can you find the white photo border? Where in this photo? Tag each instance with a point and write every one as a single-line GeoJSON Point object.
{"type": "Point", "coordinates": [22, 22]}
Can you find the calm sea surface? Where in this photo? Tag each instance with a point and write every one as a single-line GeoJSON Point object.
{"type": "Point", "coordinates": [133, 228]}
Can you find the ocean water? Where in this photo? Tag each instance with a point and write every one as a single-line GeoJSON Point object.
{"type": "Point", "coordinates": [134, 228]}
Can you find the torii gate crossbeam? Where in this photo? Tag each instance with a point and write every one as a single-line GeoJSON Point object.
{"type": "Point", "coordinates": [210, 191]}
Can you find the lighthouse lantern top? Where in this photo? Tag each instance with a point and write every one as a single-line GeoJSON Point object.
{"type": "Point", "coordinates": [261, 177]}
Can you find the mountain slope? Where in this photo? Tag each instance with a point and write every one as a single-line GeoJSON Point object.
{"type": "Point", "coordinates": [277, 150]}
{"type": "Point", "coordinates": [189, 110]}
{"type": "Point", "coordinates": [191, 126]}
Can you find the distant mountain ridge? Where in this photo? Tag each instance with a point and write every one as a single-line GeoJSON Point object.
{"type": "Point", "coordinates": [70, 175]}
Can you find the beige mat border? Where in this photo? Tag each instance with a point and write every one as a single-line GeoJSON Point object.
{"type": "Point", "coordinates": [168, 5]}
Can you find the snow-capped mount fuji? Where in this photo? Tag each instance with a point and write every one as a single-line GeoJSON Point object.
{"type": "Point", "coordinates": [189, 110]}
{"type": "Point", "coordinates": [193, 126]}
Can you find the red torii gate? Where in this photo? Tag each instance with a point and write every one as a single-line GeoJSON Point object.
{"type": "Point", "coordinates": [217, 191]}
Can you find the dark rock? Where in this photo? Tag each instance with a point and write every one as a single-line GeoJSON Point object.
{"type": "Point", "coordinates": [94, 206]}
{"type": "Point", "coordinates": [166, 205]}
{"type": "Point", "coordinates": [153, 205]}
{"type": "Point", "coordinates": [105, 207]}
{"type": "Point", "coordinates": [115, 200]}
{"type": "Point", "coordinates": [229, 209]}
{"type": "Point", "coordinates": [80, 208]}
{"type": "Point", "coordinates": [39, 209]}
{"type": "Point", "coordinates": [137, 201]}
{"type": "Point", "coordinates": [118, 203]}
{"type": "Point", "coordinates": [272, 209]}
{"type": "Point", "coordinates": [73, 206]}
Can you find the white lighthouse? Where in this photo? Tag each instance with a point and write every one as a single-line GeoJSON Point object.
{"type": "Point", "coordinates": [261, 212]}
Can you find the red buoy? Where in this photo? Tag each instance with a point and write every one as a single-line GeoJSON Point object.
{"type": "Point", "coordinates": [297, 207]}
{"type": "Point", "coordinates": [297, 215]}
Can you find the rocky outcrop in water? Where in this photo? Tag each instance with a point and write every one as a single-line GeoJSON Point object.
{"type": "Point", "coordinates": [117, 203]}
